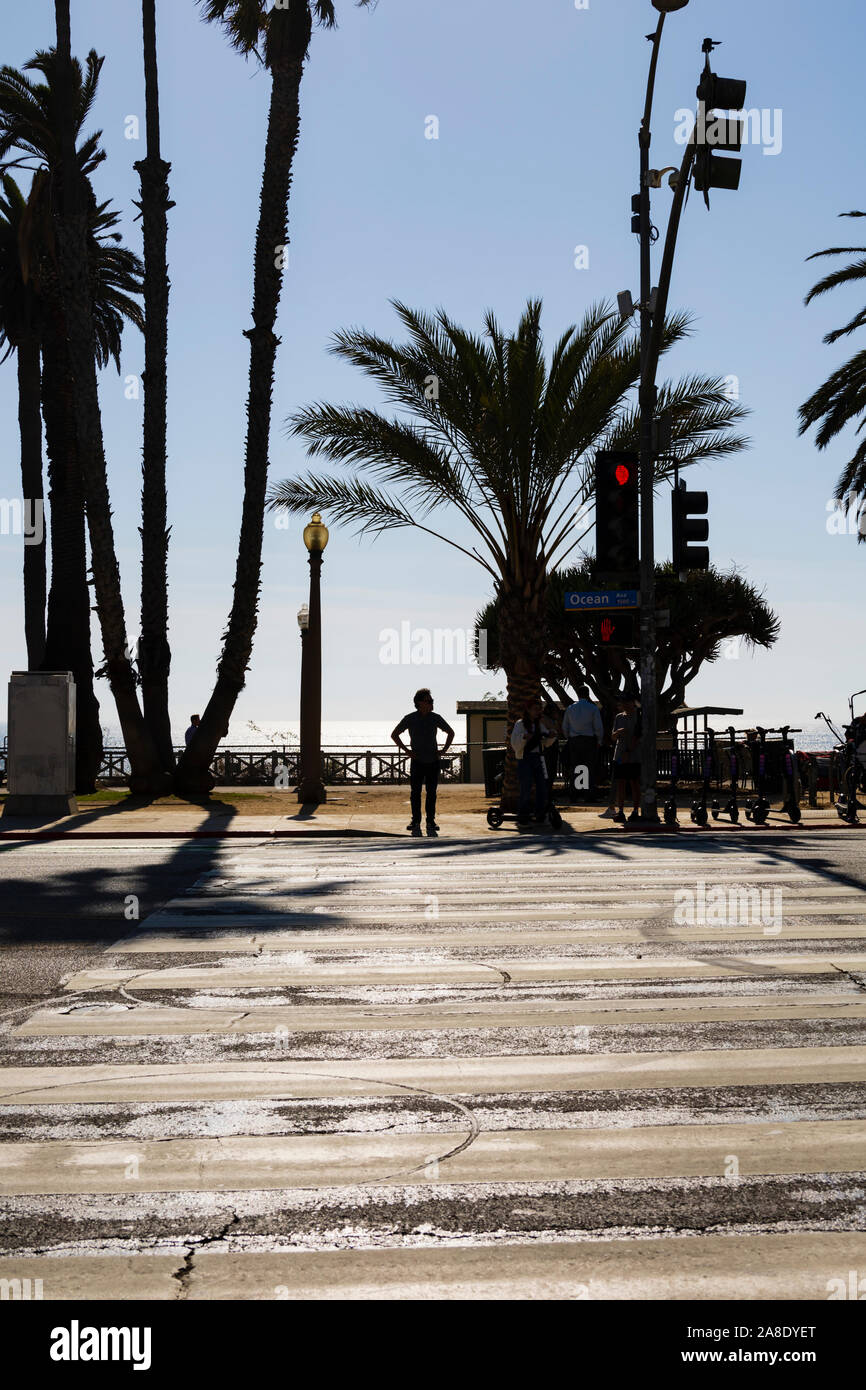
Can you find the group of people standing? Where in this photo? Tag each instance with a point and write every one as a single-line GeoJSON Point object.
{"type": "Point", "coordinates": [535, 740]}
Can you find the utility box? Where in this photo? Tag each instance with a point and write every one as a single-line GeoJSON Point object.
{"type": "Point", "coordinates": [41, 743]}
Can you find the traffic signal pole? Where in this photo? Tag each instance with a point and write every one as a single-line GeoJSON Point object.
{"type": "Point", "coordinates": [647, 404]}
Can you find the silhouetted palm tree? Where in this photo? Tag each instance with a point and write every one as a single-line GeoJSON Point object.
{"type": "Point", "coordinates": [154, 653]}
{"type": "Point", "coordinates": [21, 333]}
{"type": "Point", "coordinates": [495, 435]}
{"type": "Point", "coordinates": [841, 400]}
{"type": "Point", "coordinates": [31, 120]}
{"type": "Point", "coordinates": [280, 39]}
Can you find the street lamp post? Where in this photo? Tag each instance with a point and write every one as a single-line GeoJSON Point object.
{"type": "Point", "coordinates": [311, 789]}
{"type": "Point", "coordinates": [647, 403]}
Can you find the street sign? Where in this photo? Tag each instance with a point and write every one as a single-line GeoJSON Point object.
{"type": "Point", "coordinates": [596, 600]}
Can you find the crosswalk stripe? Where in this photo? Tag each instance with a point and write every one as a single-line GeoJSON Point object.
{"type": "Point", "coordinates": [756, 1267]}
{"type": "Point", "coordinates": [268, 973]}
{"type": "Point", "coordinates": [451, 1076]}
{"type": "Point", "coordinates": [226, 940]}
{"type": "Point", "coordinates": [317, 1161]}
{"type": "Point", "coordinates": [141, 1021]}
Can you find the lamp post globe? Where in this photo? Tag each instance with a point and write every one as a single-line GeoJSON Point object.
{"type": "Point", "coordinates": [316, 534]}
{"type": "Point", "coordinates": [669, 6]}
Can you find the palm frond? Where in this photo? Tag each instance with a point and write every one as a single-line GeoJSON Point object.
{"type": "Point", "coordinates": [839, 401]}
{"type": "Point", "coordinates": [844, 276]}
{"type": "Point", "coordinates": [349, 500]}
{"type": "Point", "coordinates": [509, 440]}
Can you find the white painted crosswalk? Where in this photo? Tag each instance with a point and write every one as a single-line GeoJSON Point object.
{"type": "Point", "coordinates": [579, 1065]}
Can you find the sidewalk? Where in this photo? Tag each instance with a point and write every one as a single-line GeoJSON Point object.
{"type": "Point", "coordinates": [349, 811]}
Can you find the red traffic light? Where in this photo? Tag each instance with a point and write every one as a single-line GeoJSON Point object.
{"type": "Point", "coordinates": [622, 475]}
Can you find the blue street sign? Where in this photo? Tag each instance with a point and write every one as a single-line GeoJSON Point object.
{"type": "Point", "coordinates": [596, 600]}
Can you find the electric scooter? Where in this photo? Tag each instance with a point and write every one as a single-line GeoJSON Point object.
{"type": "Point", "coordinates": [731, 807]}
{"type": "Point", "coordinates": [700, 814]}
{"type": "Point", "coordinates": [670, 809]}
{"type": "Point", "coordinates": [791, 778]}
{"type": "Point", "coordinates": [496, 816]}
{"type": "Point", "coordinates": [758, 808]}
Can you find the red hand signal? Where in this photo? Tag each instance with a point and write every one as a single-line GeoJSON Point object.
{"type": "Point", "coordinates": [606, 629]}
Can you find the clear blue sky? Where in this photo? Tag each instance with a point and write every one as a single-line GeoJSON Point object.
{"type": "Point", "coordinates": [538, 106]}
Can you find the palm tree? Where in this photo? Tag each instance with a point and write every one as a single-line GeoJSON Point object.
{"type": "Point", "coordinates": [279, 38]}
{"type": "Point", "coordinates": [70, 202]}
{"type": "Point", "coordinates": [30, 122]}
{"type": "Point", "coordinates": [505, 441]}
{"type": "Point", "coordinates": [154, 653]}
{"type": "Point", "coordinates": [20, 332]}
{"type": "Point", "coordinates": [840, 400]}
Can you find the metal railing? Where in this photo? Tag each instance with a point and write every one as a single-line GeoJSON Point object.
{"type": "Point", "coordinates": [278, 765]}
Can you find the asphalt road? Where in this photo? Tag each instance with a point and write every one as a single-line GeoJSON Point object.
{"type": "Point", "coordinates": [521, 1068]}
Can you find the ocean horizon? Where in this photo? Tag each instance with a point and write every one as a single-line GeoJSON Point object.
{"type": "Point", "coordinates": [376, 733]}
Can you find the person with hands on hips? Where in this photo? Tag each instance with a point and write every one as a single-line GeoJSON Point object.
{"type": "Point", "coordinates": [423, 728]}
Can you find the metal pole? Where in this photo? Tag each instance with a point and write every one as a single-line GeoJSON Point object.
{"type": "Point", "coordinates": [312, 789]}
{"type": "Point", "coordinates": [647, 403]}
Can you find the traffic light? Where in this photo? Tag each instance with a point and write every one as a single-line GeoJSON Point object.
{"type": "Point", "coordinates": [685, 505]}
{"type": "Point", "coordinates": [615, 629]}
{"type": "Point", "coordinates": [612, 628]}
{"type": "Point", "coordinates": [616, 513]}
{"type": "Point", "coordinates": [714, 133]}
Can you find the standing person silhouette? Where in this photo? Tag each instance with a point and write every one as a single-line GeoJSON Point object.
{"type": "Point", "coordinates": [423, 728]}
{"type": "Point", "coordinates": [627, 733]}
{"type": "Point", "coordinates": [532, 734]}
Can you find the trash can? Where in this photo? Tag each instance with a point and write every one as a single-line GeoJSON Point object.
{"type": "Point", "coordinates": [494, 769]}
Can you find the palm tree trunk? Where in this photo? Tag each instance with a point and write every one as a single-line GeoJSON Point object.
{"type": "Point", "coordinates": [154, 653]}
{"type": "Point", "coordinates": [68, 644]}
{"type": "Point", "coordinates": [282, 141]}
{"type": "Point", "coordinates": [32, 492]}
{"type": "Point", "coordinates": [522, 652]}
{"type": "Point", "coordinates": [71, 235]}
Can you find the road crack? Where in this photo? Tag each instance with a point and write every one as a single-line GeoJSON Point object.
{"type": "Point", "coordinates": [185, 1271]}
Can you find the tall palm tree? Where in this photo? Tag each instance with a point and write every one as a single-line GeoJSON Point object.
{"type": "Point", "coordinates": [30, 121]}
{"type": "Point", "coordinates": [154, 653]}
{"type": "Point", "coordinates": [71, 229]}
{"type": "Point", "coordinates": [21, 332]}
{"type": "Point", "coordinates": [279, 38]}
{"type": "Point", "coordinates": [841, 400]}
{"type": "Point", "coordinates": [503, 440]}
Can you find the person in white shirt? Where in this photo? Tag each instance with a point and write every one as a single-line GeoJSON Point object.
{"type": "Point", "coordinates": [529, 738]}
{"type": "Point", "coordinates": [584, 730]}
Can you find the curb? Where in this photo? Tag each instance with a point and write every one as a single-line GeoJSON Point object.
{"type": "Point", "coordinates": [194, 834]}
{"type": "Point", "coordinates": [42, 836]}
